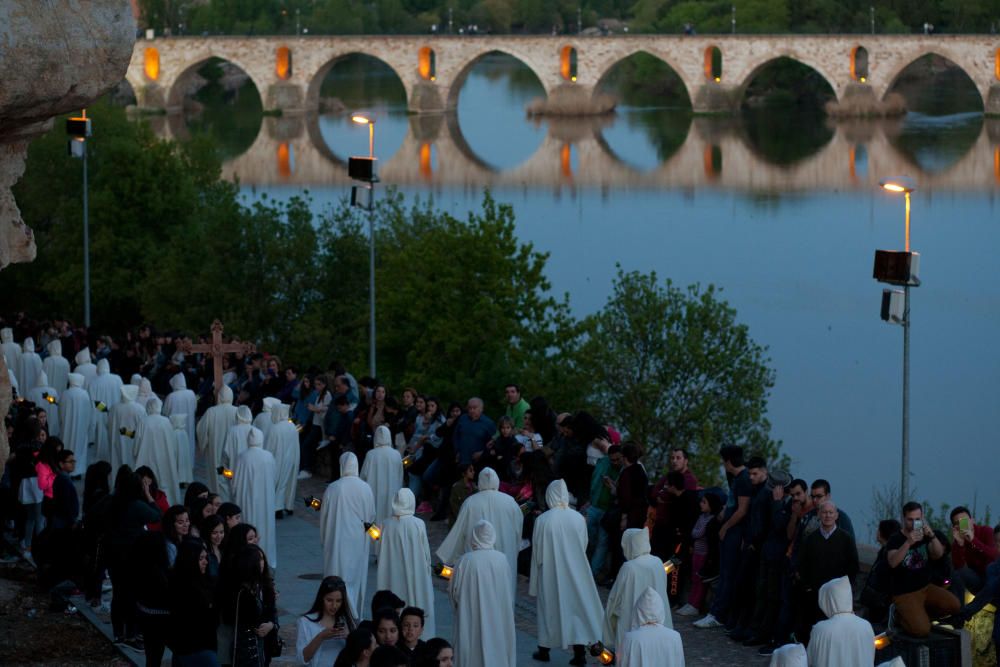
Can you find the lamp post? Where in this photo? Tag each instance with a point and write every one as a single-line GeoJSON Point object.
{"type": "Point", "coordinates": [370, 122]}
{"type": "Point", "coordinates": [78, 129]}
{"type": "Point", "coordinates": [905, 186]}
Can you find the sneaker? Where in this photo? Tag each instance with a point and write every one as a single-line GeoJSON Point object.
{"type": "Point", "coordinates": [304, 474]}
{"type": "Point", "coordinates": [425, 508]}
{"type": "Point", "coordinates": [707, 622]}
{"type": "Point", "coordinates": [687, 610]}
{"type": "Point", "coordinates": [323, 445]}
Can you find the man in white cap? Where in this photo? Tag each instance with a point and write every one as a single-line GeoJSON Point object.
{"type": "Point", "coordinates": [404, 559]}
{"type": "Point", "coordinates": [124, 423]}
{"type": "Point", "coordinates": [76, 419]}
{"type": "Point", "coordinates": [282, 440]}
{"type": "Point", "coordinates": [84, 365]}
{"type": "Point", "coordinates": [56, 367]}
{"type": "Point", "coordinates": [263, 419]}
{"type": "Point", "coordinates": [569, 608]}
{"type": "Point", "coordinates": [650, 643]}
{"type": "Point", "coordinates": [383, 470]}
{"type": "Point", "coordinates": [181, 400]}
{"type": "Point", "coordinates": [105, 391]}
{"type": "Point", "coordinates": [348, 504]}
{"type": "Point", "coordinates": [156, 447]}
{"type": "Point", "coordinates": [484, 606]}
{"type": "Point", "coordinates": [46, 397]}
{"type": "Point", "coordinates": [643, 570]}
{"type": "Point", "coordinates": [11, 350]}
{"type": "Point", "coordinates": [29, 365]}
{"type": "Point", "coordinates": [237, 441]}
{"type": "Point", "coordinates": [501, 511]}
{"type": "Point", "coordinates": [842, 639]}
{"type": "Point", "coordinates": [211, 433]}
{"type": "Point", "coordinates": [253, 490]}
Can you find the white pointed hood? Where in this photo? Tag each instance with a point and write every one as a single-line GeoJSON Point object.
{"type": "Point", "coordinates": [136, 379]}
{"type": "Point", "coordinates": [28, 345]}
{"type": "Point", "coordinates": [75, 380]}
{"type": "Point", "coordinates": [42, 379]}
{"type": "Point", "coordinates": [82, 357]}
{"type": "Point", "coordinates": [348, 465]}
{"type": "Point", "coordinates": [383, 437]}
{"type": "Point", "coordinates": [179, 421]}
{"type": "Point", "coordinates": [835, 597]}
{"type": "Point", "coordinates": [279, 413]}
{"type": "Point", "coordinates": [243, 415]}
{"type": "Point", "coordinates": [635, 543]}
{"type": "Point", "coordinates": [145, 389]}
{"type": "Point", "coordinates": [794, 655]}
{"type": "Point", "coordinates": [225, 396]}
{"type": "Point", "coordinates": [129, 393]}
{"type": "Point", "coordinates": [484, 535]}
{"type": "Point", "coordinates": [404, 504]}
{"type": "Point", "coordinates": [6, 335]}
{"type": "Point", "coordinates": [268, 403]}
{"type": "Point", "coordinates": [103, 367]}
{"type": "Point", "coordinates": [54, 347]}
{"type": "Point", "coordinates": [488, 480]}
{"type": "Point", "coordinates": [154, 406]}
{"type": "Point", "coordinates": [648, 609]}
{"type": "Point", "coordinates": [178, 382]}
{"type": "Point", "coordinates": [255, 438]}
{"type": "Point", "coordinates": [557, 495]}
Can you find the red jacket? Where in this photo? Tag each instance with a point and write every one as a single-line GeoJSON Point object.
{"type": "Point", "coordinates": [978, 553]}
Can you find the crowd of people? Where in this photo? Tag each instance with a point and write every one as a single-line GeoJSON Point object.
{"type": "Point", "coordinates": [558, 497]}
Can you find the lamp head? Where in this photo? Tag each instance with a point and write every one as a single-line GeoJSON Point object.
{"type": "Point", "coordinates": [362, 119]}
{"type": "Point", "coordinates": [898, 184]}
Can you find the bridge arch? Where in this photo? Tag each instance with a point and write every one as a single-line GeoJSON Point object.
{"type": "Point", "coordinates": [940, 50]}
{"type": "Point", "coordinates": [602, 77]}
{"type": "Point", "coordinates": [317, 78]}
{"type": "Point", "coordinates": [175, 91]}
{"type": "Point", "coordinates": [463, 72]}
{"type": "Point", "coordinates": [755, 66]}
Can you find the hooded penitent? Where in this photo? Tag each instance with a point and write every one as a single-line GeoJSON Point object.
{"type": "Point", "coordinates": [282, 440]}
{"type": "Point", "coordinates": [45, 396]}
{"type": "Point", "coordinates": [348, 504]}
{"type": "Point", "coordinates": [185, 466]}
{"type": "Point", "coordinates": [105, 393]}
{"type": "Point", "coordinates": [77, 415]}
{"type": "Point", "coordinates": [649, 643]}
{"type": "Point", "coordinates": [641, 571]}
{"type": "Point", "coordinates": [383, 470]}
{"type": "Point", "coordinates": [182, 400]}
{"type": "Point", "coordinates": [28, 365]}
{"type": "Point", "coordinates": [56, 366]}
{"type": "Point", "coordinates": [11, 351]}
{"type": "Point", "coordinates": [842, 639]}
{"type": "Point", "coordinates": [124, 425]}
{"type": "Point", "coordinates": [404, 560]}
{"type": "Point", "coordinates": [156, 447]}
{"type": "Point", "coordinates": [211, 434]}
{"type": "Point", "coordinates": [237, 439]}
{"type": "Point", "coordinates": [263, 420]}
{"type": "Point", "coordinates": [253, 490]}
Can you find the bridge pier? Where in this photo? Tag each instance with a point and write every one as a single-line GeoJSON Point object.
{"type": "Point", "coordinates": [289, 98]}
{"type": "Point", "coordinates": [716, 98]}
{"type": "Point", "coordinates": [426, 97]}
{"type": "Point", "coordinates": [151, 97]}
{"type": "Point", "coordinates": [992, 105]}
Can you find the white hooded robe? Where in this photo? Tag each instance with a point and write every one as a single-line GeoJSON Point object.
{"type": "Point", "coordinates": [46, 397]}
{"type": "Point", "coordinates": [282, 440]}
{"type": "Point", "coordinates": [348, 504]}
{"type": "Point", "coordinates": [263, 419]}
{"type": "Point", "coordinates": [11, 351]}
{"type": "Point", "coordinates": [641, 571]}
{"type": "Point", "coordinates": [29, 365]}
{"type": "Point", "coordinates": [569, 608]}
{"type": "Point", "coordinates": [650, 643]}
{"type": "Point", "coordinates": [842, 639]}
{"type": "Point", "coordinates": [156, 447]}
{"type": "Point", "coordinates": [182, 400]}
{"type": "Point", "coordinates": [145, 391]}
{"type": "Point", "coordinates": [404, 559]}
{"type": "Point", "coordinates": [237, 439]}
{"type": "Point", "coordinates": [211, 433]}
{"type": "Point", "coordinates": [791, 655]}
{"type": "Point", "coordinates": [104, 388]}
{"type": "Point", "coordinates": [483, 604]}
{"type": "Point", "coordinates": [253, 491]}
{"type": "Point", "coordinates": [124, 424]}
{"type": "Point", "coordinates": [56, 367]}
{"type": "Point", "coordinates": [84, 365]}
{"type": "Point", "coordinates": [76, 417]}
{"type": "Point", "coordinates": [500, 510]}
{"type": "Point", "coordinates": [383, 470]}
{"type": "Point", "coordinates": [185, 465]}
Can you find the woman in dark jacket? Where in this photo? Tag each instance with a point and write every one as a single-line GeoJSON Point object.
{"type": "Point", "coordinates": [252, 609]}
{"type": "Point", "coordinates": [152, 592]}
{"type": "Point", "coordinates": [193, 616]}
{"type": "Point", "coordinates": [96, 502]}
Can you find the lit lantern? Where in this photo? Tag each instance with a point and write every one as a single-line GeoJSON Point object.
{"type": "Point", "coordinates": [603, 654]}
{"type": "Point", "coordinates": [444, 571]}
{"type": "Point", "coordinates": [101, 407]}
{"type": "Point", "coordinates": [373, 531]}
{"type": "Point", "coordinates": [49, 398]}
{"type": "Point", "coordinates": [126, 432]}
{"type": "Point", "coordinates": [409, 460]}
{"type": "Point", "coordinates": [881, 641]}
{"type": "Point", "coordinates": [670, 565]}
{"type": "Point", "coordinates": [225, 472]}
{"type": "Point", "coordinates": [312, 502]}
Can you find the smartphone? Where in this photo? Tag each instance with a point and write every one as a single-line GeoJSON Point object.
{"type": "Point", "coordinates": [963, 524]}
{"type": "Point", "coordinates": [918, 524]}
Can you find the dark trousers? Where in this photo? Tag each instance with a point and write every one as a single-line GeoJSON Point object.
{"type": "Point", "coordinates": [744, 592]}
{"type": "Point", "coordinates": [729, 561]}
{"type": "Point", "coordinates": [768, 594]}
{"type": "Point", "coordinates": [154, 636]}
{"type": "Point", "coordinates": [307, 447]}
{"type": "Point", "coordinates": [122, 597]}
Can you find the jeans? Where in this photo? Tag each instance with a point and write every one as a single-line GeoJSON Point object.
{"type": "Point", "coordinates": [34, 523]}
{"type": "Point", "coordinates": [307, 447]}
{"type": "Point", "coordinates": [598, 537]}
{"type": "Point", "coordinates": [729, 561]}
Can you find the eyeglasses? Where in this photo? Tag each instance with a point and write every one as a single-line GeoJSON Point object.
{"type": "Point", "coordinates": [817, 496]}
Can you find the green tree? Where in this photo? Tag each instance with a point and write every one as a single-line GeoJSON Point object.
{"type": "Point", "coordinates": [673, 367]}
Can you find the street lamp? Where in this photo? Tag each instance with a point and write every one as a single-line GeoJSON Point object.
{"type": "Point", "coordinates": [78, 129]}
{"type": "Point", "coordinates": [363, 169]}
{"type": "Point", "coordinates": [901, 269]}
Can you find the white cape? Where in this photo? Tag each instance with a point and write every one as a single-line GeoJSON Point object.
{"type": "Point", "coordinates": [29, 364]}
{"type": "Point", "coordinates": [650, 643]}
{"type": "Point", "coordinates": [501, 511]}
{"type": "Point", "coordinates": [211, 434]}
{"type": "Point", "coordinates": [236, 443]}
{"type": "Point", "coordinates": [404, 560]}
{"type": "Point", "coordinates": [569, 608]}
{"type": "Point", "coordinates": [641, 571]}
{"type": "Point", "coordinates": [11, 351]}
{"type": "Point", "coordinates": [185, 465]}
{"type": "Point", "coordinates": [56, 367]}
{"type": "Point", "coordinates": [105, 389]}
{"type": "Point", "coordinates": [83, 365]}
{"type": "Point", "coordinates": [842, 639]}
{"type": "Point", "coordinates": [124, 425]}
{"type": "Point", "coordinates": [77, 418]}
{"type": "Point", "coordinates": [383, 470]}
{"type": "Point", "coordinates": [253, 491]}
{"type": "Point", "coordinates": [348, 504]}
{"type": "Point", "coordinates": [182, 401]}
{"type": "Point", "coordinates": [484, 608]}
{"type": "Point", "coordinates": [156, 447]}
{"type": "Point", "coordinates": [37, 395]}
{"type": "Point", "coordinates": [264, 418]}
{"type": "Point", "coordinates": [282, 440]}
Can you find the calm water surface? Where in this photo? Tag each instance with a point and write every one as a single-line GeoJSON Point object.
{"type": "Point", "coordinates": [791, 245]}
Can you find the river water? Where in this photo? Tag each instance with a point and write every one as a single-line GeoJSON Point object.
{"type": "Point", "coordinates": [779, 209]}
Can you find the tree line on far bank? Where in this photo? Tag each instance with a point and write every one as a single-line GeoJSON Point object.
{"type": "Point", "coordinates": [464, 306]}
{"type": "Point", "coordinates": [261, 17]}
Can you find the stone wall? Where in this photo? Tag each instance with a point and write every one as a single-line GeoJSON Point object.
{"type": "Point", "coordinates": [56, 56]}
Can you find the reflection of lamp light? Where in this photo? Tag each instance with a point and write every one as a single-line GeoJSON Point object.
{"type": "Point", "coordinates": [444, 571]}
{"type": "Point", "coordinates": [225, 472]}
{"type": "Point", "coordinates": [881, 641]}
{"type": "Point", "coordinates": [373, 531]}
{"type": "Point", "coordinates": [312, 502]}
{"type": "Point", "coordinates": [605, 655]}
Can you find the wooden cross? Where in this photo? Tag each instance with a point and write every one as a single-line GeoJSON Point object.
{"type": "Point", "coordinates": [216, 349]}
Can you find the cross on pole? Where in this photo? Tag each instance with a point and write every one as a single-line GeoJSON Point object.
{"type": "Point", "coordinates": [216, 349]}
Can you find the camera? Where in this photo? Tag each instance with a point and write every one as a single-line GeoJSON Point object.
{"type": "Point", "coordinates": [918, 524]}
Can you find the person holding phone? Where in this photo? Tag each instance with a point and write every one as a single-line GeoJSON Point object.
{"type": "Point", "coordinates": [322, 631]}
{"type": "Point", "coordinates": [972, 550]}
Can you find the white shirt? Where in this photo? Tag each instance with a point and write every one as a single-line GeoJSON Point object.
{"type": "Point", "coordinates": [328, 650]}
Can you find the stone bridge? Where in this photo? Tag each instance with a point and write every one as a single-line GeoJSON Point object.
{"type": "Point", "coordinates": [715, 69]}
{"type": "Point", "coordinates": [290, 150]}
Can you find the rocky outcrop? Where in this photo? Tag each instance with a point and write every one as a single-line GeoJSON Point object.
{"type": "Point", "coordinates": [56, 56]}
